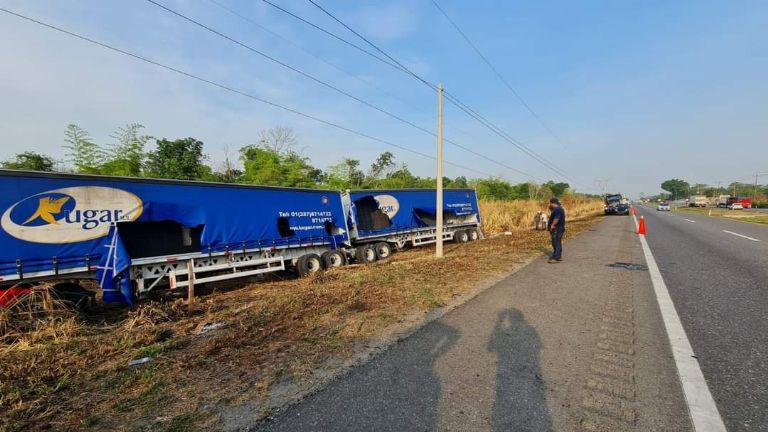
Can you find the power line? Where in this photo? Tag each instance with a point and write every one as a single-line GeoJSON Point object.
{"type": "Point", "coordinates": [333, 35]}
{"type": "Point", "coordinates": [232, 90]}
{"type": "Point", "coordinates": [498, 74]}
{"type": "Point", "coordinates": [452, 99]}
{"type": "Point", "coordinates": [308, 52]}
{"type": "Point", "coordinates": [330, 86]}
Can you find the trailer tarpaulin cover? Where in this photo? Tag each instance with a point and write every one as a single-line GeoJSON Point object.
{"type": "Point", "coordinates": [384, 211]}
{"type": "Point", "coordinates": [52, 222]}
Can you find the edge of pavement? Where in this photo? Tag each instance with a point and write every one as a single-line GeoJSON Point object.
{"type": "Point", "coordinates": [702, 408]}
{"type": "Point", "coordinates": [285, 395]}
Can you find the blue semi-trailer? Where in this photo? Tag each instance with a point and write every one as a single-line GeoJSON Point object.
{"type": "Point", "coordinates": [134, 235]}
{"type": "Point", "coordinates": [387, 218]}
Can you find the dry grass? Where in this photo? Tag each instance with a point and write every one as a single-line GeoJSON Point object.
{"type": "Point", "coordinates": [501, 216]}
{"type": "Point", "coordinates": [273, 331]}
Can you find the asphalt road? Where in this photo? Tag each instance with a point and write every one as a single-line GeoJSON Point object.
{"type": "Point", "coordinates": [716, 271]}
{"type": "Point", "coordinates": [574, 346]}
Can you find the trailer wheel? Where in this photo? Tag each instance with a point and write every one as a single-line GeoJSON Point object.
{"type": "Point", "coordinates": [308, 264]}
{"type": "Point", "coordinates": [473, 234]}
{"type": "Point", "coordinates": [461, 236]}
{"type": "Point", "coordinates": [333, 258]}
{"type": "Point", "coordinates": [365, 254]}
{"type": "Point", "coordinates": [383, 250]}
{"type": "Point", "coordinates": [76, 294]}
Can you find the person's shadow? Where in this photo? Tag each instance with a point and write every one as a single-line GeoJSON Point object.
{"type": "Point", "coordinates": [520, 398]}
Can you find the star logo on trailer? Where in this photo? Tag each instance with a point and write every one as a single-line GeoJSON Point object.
{"type": "Point", "coordinates": [70, 215]}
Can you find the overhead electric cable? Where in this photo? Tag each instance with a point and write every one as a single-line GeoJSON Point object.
{"type": "Point", "coordinates": [308, 52]}
{"type": "Point", "coordinates": [498, 74]}
{"type": "Point", "coordinates": [231, 89]}
{"type": "Point", "coordinates": [332, 87]}
{"type": "Point", "coordinates": [504, 135]}
{"type": "Point", "coordinates": [331, 34]}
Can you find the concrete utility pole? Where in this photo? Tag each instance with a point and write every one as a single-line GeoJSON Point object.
{"type": "Point", "coordinates": [439, 204]}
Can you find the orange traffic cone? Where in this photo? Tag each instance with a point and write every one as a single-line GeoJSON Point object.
{"type": "Point", "coordinates": [641, 226]}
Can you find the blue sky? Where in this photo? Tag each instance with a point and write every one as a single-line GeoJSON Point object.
{"type": "Point", "coordinates": [638, 91]}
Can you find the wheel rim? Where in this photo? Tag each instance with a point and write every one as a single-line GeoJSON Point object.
{"type": "Point", "coordinates": [473, 235]}
{"type": "Point", "coordinates": [313, 265]}
{"type": "Point", "coordinates": [383, 251]}
{"type": "Point", "coordinates": [370, 255]}
{"type": "Point", "coordinates": [335, 260]}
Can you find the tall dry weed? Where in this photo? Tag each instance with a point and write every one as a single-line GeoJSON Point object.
{"type": "Point", "coordinates": [501, 216]}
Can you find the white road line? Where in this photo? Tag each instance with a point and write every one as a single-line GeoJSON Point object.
{"type": "Point", "coordinates": [689, 220]}
{"type": "Point", "coordinates": [741, 235]}
{"type": "Point", "coordinates": [701, 406]}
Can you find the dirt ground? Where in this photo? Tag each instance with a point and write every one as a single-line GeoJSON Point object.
{"type": "Point", "coordinates": [239, 346]}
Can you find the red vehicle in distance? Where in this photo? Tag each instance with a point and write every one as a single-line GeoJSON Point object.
{"type": "Point", "coordinates": [746, 202]}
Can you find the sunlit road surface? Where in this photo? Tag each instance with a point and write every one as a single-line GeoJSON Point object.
{"type": "Point", "coordinates": [716, 271]}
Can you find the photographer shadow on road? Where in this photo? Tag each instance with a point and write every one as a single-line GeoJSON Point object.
{"type": "Point", "coordinates": [520, 403]}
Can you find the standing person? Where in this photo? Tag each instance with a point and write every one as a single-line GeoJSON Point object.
{"type": "Point", "coordinates": [556, 227]}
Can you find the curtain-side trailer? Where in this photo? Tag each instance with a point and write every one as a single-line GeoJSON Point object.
{"type": "Point", "coordinates": [381, 219]}
{"type": "Point", "coordinates": [135, 234]}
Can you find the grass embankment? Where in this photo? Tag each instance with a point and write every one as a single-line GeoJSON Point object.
{"type": "Point", "coordinates": [739, 215]}
{"type": "Point", "coordinates": [73, 373]}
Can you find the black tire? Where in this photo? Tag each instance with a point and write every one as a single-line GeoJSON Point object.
{"type": "Point", "coordinates": [333, 258]}
{"type": "Point", "coordinates": [461, 236]}
{"type": "Point", "coordinates": [308, 264]}
{"type": "Point", "coordinates": [383, 250]}
{"type": "Point", "coordinates": [74, 293]}
{"type": "Point", "coordinates": [474, 234]}
{"type": "Point", "coordinates": [365, 254]}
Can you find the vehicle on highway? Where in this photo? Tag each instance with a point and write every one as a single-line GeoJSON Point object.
{"type": "Point", "coordinates": [735, 206]}
{"type": "Point", "coordinates": [616, 204]}
{"type": "Point", "coordinates": [663, 206]}
{"type": "Point", "coordinates": [722, 201]}
{"type": "Point", "coordinates": [697, 201]}
{"type": "Point", "coordinates": [746, 202]}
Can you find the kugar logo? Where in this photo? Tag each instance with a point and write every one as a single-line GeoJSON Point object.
{"type": "Point", "coordinates": [70, 215]}
{"type": "Point", "coordinates": [388, 204]}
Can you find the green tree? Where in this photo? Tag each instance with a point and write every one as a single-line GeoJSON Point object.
{"type": "Point", "coordinates": [493, 189]}
{"type": "Point", "coordinates": [558, 189]}
{"type": "Point", "coordinates": [29, 161]}
{"type": "Point", "coordinates": [178, 159]}
{"type": "Point", "coordinates": [265, 166]}
{"type": "Point", "coordinates": [126, 155]}
{"type": "Point", "coordinates": [345, 175]}
{"type": "Point", "coordinates": [381, 166]}
{"type": "Point", "coordinates": [460, 183]}
{"type": "Point", "coordinates": [85, 155]}
{"type": "Point", "coordinates": [676, 187]}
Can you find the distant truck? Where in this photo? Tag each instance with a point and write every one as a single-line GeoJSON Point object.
{"type": "Point", "coordinates": [616, 204]}
{"type": "Point", "coordinates": [745, 202]}
{"type": "Point", "coordinates": [697, 201]}
{"type": "Point", "coordinates": [721, 201]}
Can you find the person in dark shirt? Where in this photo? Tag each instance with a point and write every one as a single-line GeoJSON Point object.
{"type": "Point", "coordinates": [556, 227]}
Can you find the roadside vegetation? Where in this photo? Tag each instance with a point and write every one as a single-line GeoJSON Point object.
{"type": "Point", "coordinates": [275, 159]}
{"type": "Point", "coordinates": [63, 370]}
{"type": "Point", "coordinates": [739, 215]}
{"type": "Point", "coordinates": [678, 189]}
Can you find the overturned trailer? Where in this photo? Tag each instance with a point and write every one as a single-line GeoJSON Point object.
{"type": "Point", "coordinates": [387, 218]}
{"type": "Point", "coordinates": [133, 235]}
{"type": "Point", "coordinates": [136, 235]}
